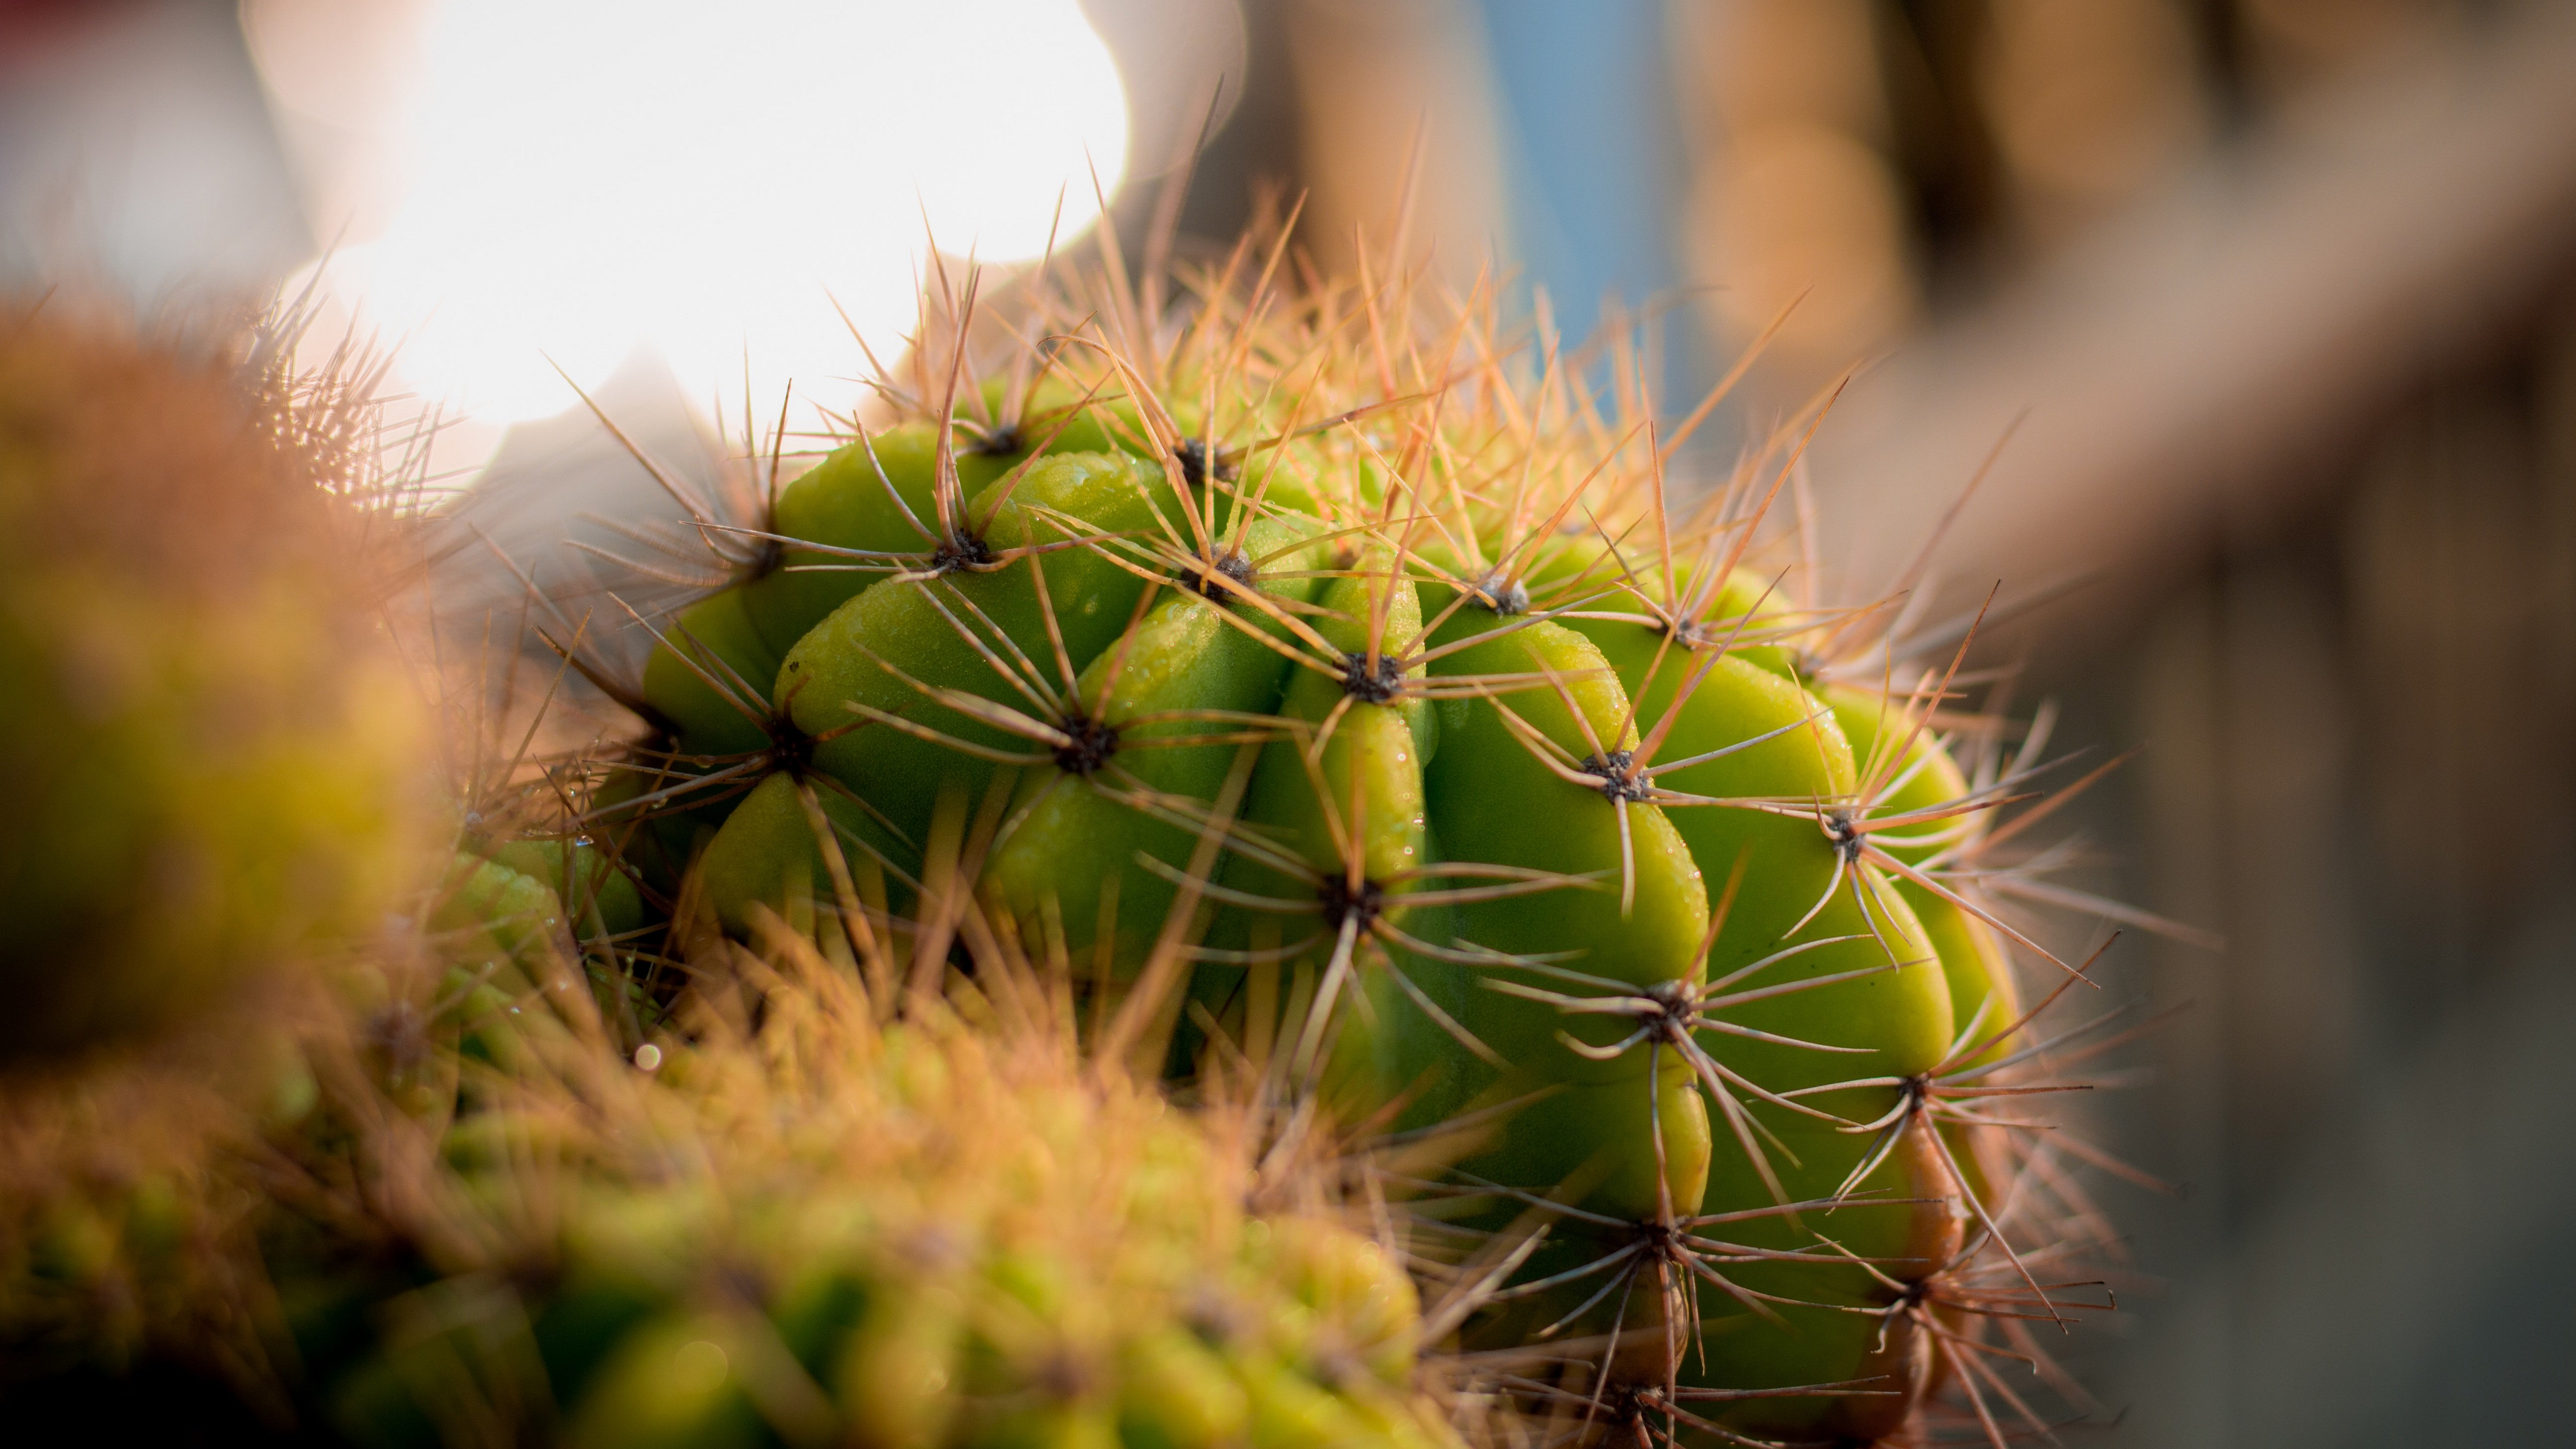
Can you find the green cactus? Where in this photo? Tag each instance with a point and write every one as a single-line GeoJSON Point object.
{"type": "Point", "coordinates": [1400, 748]}
{"type": "Point", "coordinates": [214, 749]}
{"type": "Point", "coordinates": [835, 1229]}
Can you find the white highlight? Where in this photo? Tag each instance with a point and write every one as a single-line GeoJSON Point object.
{"type": "Point", "coordinates": [584, 177]}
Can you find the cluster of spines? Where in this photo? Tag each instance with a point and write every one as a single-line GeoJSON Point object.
{"type": "Point", "coordinates": [797, 1215]}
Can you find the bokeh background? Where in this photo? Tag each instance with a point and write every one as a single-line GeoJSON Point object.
{"type": "Point", "coordinates": [2275, 299]}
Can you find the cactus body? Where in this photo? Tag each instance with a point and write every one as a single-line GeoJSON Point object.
{"type": "Point", "coordinates": [921, 1235]}
{"type": "Point", "coordinates": [1484, 817]}
{"type": "Point", "coordinates": [211, 747]}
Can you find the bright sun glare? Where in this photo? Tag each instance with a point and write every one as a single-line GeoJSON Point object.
{"type": "Point", "coordinates": [586, 177]}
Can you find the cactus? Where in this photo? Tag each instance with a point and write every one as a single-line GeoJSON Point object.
{"type": "Point", "coordinates": [214, 749]}
{"type": "Point", "coordinates": [216, 814]}
{"type": "Point", "coordinates": [1324, 687]}
{"type": "Point", "coordinates": [829, 1227]}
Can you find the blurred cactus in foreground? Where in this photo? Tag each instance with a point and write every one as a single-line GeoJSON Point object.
{"type": "Point", "coordinates": [211, 747]}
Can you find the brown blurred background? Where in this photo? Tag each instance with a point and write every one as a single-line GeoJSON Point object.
{"type": "Point", "coordinates": [2283, 294]}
